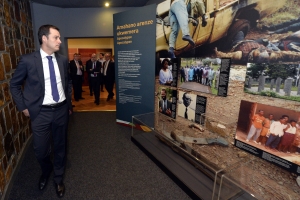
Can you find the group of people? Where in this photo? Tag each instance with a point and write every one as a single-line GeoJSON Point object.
{"type": "Point", "coordinates": [277, 135]}
{"type": "Point", "coordinates": [101, 72]}
{"type": "Point", "coordinates": [204, 75]}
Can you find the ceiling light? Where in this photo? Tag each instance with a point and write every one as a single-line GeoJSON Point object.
{"type": "Point", "coordinates": [106, 4]}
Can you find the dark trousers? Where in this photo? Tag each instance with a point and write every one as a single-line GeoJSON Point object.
{"type": "Point", "coordinates": [96, 88]}
{"type": "Point", "coordinates": [182, 78]}
{"type": "Point", "coordinates": [49, 126]}
{"type": "Point", "coordinates": [199, 79]}
{"type": "Point", "coordinates": [77, 86]}
{"type": "Point", "coordinates": [90, 85]}
{"type": "Point", "coordinates": [109, 86]}
{"type": "Point", "coordinates": [101, 82]}
{"type": "Point", "coordinates": [273, 141]}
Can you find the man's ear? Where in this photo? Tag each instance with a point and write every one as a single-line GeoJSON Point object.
{"type": "Point", "coordinates": [44, 38]}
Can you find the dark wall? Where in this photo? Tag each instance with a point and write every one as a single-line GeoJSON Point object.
{"type": "Point", "coordinates": [16, 38]}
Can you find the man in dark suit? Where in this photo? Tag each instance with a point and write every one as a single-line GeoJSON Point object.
{"type": "Point", "coordinates": [164, 104]}
{"type": "Point", "coordinates": [182, 74]}
{"type": "Point", "coordinates": [88, 62]}
{"type": "Point", "coordinates": [46, 100]}
{"type": "Point", "coordinates": [76, 70]}
{"type": "Point", "coordinates": [109, 75]}
{"type": "Point", "coordinates": [101, 60]}
{"type": "Point", "coordinates": [93, 68]}
{"type": "Point", "coordinates": [200, 72]}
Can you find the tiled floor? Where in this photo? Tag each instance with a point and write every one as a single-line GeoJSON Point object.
{"type": "Point", "coordinates": [88, 104]}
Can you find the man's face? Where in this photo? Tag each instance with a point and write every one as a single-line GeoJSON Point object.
{"type": "Point", "coordinates": [271, 117]}
{"type": "Point", "coordinates": [163, 95]}
{"type": "Point", "coordinates": [93, 58]}
{"type": "Point", "coordinates": [75, 57]}
{"type": "Point", "coordinates": [107, 57]}
{"type": "Point", "coordinates": [100, 56]}
{"type": "Point", "coordinates": [52, 42]}
{"type": "Point", "coordinates": [186, 100]}
{"type": "Point", "coordinates": [261, 113]}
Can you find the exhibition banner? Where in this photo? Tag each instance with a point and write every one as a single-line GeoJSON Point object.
{"type": "Point", "coordinates": [134, 47]}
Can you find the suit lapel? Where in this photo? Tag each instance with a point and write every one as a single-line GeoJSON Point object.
{"type": "Point", "coordinates": [39, 67]}
{"type": "Point", "coordinates": [61, 69]}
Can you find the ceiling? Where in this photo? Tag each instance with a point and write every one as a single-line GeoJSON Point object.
{"type": "Point", "coordinates": [92, 3]}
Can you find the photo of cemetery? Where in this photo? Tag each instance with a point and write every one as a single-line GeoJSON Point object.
{"type": "Point", "coordinates": [273, 80]}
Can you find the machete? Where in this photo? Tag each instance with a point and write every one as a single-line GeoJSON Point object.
{"type": "Point", "coordinates": [183, 139]}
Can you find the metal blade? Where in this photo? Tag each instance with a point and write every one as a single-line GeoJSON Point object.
{"type": "Point", "coordinates": [193, 140]}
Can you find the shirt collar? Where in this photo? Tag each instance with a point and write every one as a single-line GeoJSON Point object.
{"type": "Point", "coordinates": [44, 54]}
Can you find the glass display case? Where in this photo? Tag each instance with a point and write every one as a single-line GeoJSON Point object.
{"type": "Point", "coordinates": [262, 180]}
{"type": "Point", "coordinates": [210, 169]}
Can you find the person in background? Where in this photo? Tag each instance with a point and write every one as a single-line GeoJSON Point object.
{"type": "Point", "coordinates": [164, 104]}
{"type": "Point", "coordinates": [288, 137]}
{"type": "Point", "coordinates": [101, 59]}
{"type": "Point", "coordinates": [76, 70]}
{"type": "Point", "coordinates": [186, 98]}
{"type": "Point", "coordinates": [256, 126]}
{"type": "Point", "coordinates": [178, 17]}
{"type": "Point", "coordinates": [277, 129]}
{"type": "Point", "coordinates": [41, 88]}
{"type": "Point", "coordinates": [89, 77]}
{"type": "Point", "coordinates": [165, 75]}
{"type": "Point", "coordinates": [109, 75]}
{"type": "Point", "coordinates": [265, 132]}
{"type": "Point", "coordinates": [182, 75]}
{"type": "Point", "coordinates": [93, 68]}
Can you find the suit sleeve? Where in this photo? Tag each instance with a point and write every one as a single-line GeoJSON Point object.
{"type": "Point", "coordinates": [16, 83]}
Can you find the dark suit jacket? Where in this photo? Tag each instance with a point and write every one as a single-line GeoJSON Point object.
{"type": "Point", "coordinates": [89, 66]}
{"type": "Point", "coordinates": [30, 71]}
{"type": "Point", "coordinates": [169, 104]}
{"type": "Point", "coordinates": [73, 68]}
{"type": "Point", "coordinates": [110, 72]}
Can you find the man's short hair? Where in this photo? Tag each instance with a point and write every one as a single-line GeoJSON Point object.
{"type": "Point", "coordinates": [102, 54]}
{"type": "Point", "coordinates": [44, 30]}
{"type": "Point", "coordinates": [284, 116]}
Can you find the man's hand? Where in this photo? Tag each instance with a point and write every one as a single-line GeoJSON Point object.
{"type": "Point", "coordinates": [26, 113]}
{"type": "Point", "coordinates": [160, 110]}
{"type": "Point", "coordinates": [169, 112]}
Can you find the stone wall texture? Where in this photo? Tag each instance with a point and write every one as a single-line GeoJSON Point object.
{"type": "Point", "coordinates": [16, 38]}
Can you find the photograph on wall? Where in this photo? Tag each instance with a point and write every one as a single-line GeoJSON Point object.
{"type": "Point", "coordinates": [191, 106]}
{"type": "Point", "coordinates": [273, 80]}
{"type": "Point", "coordinates": [168, 72]}
{"type": "Point", "coordinates": [199, 74]}
{"type": "Point", "coordinates": [208, 75]}
{"type": "Point", "coordinates": [252, 31]}
{"type": "Point", "coordinates": [167, 100]}
{"type": "Point", "coordinates": [271, 133]}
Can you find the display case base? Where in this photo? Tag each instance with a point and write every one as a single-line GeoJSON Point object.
{"type": "Point", "coordinates": [182, 172]}
{"type": "Point", "coordinates": [194, 182]}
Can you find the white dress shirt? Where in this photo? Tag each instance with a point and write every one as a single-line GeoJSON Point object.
{"type": "Point", "coordinates": [48, 98]}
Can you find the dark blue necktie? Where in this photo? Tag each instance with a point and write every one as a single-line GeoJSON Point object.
{"type": "Point", "coordinates": [55, 94]}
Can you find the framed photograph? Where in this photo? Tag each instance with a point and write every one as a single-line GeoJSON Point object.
{"type": "Point", "coordinates": [271, 133]}
{"type": "Point", "coordinates": [167, 99]}
{"type": "Point", "coordinates": [274, 80]}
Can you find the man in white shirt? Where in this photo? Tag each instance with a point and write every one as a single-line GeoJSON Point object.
{"type": "Point", "coordinates": [41, 88]}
